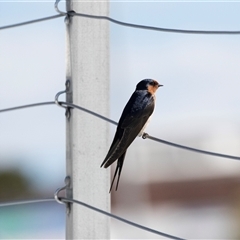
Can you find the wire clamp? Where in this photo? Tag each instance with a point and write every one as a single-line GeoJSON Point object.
{"type": "Point", "coordinates": [68, 191]}
{"type": "Point", "coordinates": [68, 14]}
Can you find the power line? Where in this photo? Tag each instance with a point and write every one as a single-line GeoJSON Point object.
{"type": "Point", "coordinates": [71, 105]}
{"type": "Point", "coordinates": [68, 200]}
{"type": "Point", "coordinates": [31, 21]}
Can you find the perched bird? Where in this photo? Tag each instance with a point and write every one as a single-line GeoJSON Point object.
{"type": "Point", "coordinates": [131, 123]}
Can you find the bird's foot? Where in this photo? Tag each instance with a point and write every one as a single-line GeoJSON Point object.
{"type": "Point", "coordinates": [145, 135]}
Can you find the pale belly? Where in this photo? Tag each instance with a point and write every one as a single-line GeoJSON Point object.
{"type": "Point", "coordinates": [145, 125]}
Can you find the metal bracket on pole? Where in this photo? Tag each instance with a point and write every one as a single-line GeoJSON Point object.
{"type": "Point", "coordinates": [68, 193]}
{"type": "Point", "coordinates": [67, 90]}
{"type": "Point", "coordinates": [57, 9]}
{"type": "Point", "coordinates": [68, 14]}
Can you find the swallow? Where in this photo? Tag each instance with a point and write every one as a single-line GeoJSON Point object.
{"type": "Point", "coordinates": [131, 124]}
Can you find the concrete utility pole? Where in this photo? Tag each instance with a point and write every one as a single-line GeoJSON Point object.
{"type": "Point", "coordinates": [86, 135]}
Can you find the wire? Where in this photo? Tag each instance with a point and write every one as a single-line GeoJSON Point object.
{"type": "Point", "coordinates": [32, 21]}
{"type": "Point", "coordinates": [68, 200]}
{"type": "Point", "coordinates": [89, 112]}
{"type": "Point", "coordinates": [145, 135]}
{"type": "Point", "coordinates": [6, 204]}
{"type": "Point", "coordinates": [72, 13]}
{"type": "Point", "coordinates": [62, 103]}
{"type": "Point", "coordinates": [26, 106]}
{"type": "Point", "coordinates": [133, 25]}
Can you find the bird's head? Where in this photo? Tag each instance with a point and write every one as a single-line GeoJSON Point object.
{"type": "Point", "coordinates": [148, 84]}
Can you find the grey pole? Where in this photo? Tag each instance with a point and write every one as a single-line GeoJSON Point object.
{"type": "Point", "coordinates": [87, 136]}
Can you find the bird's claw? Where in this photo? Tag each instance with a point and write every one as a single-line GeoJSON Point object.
{"type": "Point", "coordinates": [145, 135]}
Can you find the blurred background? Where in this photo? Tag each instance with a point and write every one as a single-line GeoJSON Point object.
{"type": "Point", "coordinates": [178, 192]}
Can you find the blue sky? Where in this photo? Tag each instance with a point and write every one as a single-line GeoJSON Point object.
{"type": "Point", "coordinates": [199, 100]}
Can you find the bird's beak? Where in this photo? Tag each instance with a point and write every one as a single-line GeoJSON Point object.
{"type": "Point", "coordinates": [160, 85]}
